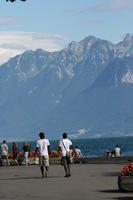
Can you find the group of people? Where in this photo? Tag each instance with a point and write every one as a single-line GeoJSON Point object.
{"type": "Point", "coordinates": [116, 152]}
{"type": "Point", "coordinates": [43, 147]}
{"type": "Point", "coordinates": [15, 152]}
{"type": "Point", "coordinates": [66, 148]}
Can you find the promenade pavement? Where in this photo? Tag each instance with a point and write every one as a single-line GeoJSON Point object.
{"type": "Point", "coordinates": [88, 182]}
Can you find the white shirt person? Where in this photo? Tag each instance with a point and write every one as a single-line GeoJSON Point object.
{"type": "Point", "coordinates": [117, 151]}
{"type": "Point", "coordinates": [78, 153]}
{"type": "Point", "coordinates": [64, 146]}
{"type": "Point", "coordinates": [4, 151]}
{"type": "Point", "coordinates": [43, 146]}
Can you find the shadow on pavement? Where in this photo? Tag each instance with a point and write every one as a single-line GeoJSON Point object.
{"type": "Point", "coordinates": [112, 174]}
{"type": "Point", "coordinates": [27, 178]}
{"type": "Point", "coordinates": [117, 192]}
{"type": "Point", "coordinates": [124, 198]}
{"type": "Point", "coordinates": [110, 191]}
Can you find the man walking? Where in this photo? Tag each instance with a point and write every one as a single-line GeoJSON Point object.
{"type": "Point", "coordinates": [65, 145]}
{"type": "Point", "coordinates": [43, 146]}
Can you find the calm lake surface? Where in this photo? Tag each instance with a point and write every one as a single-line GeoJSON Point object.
{"type": "Point", "coordinates": [93, 147]}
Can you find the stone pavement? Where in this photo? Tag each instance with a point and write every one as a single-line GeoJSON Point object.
{"type": "Point", "coordinates": [88, 182]}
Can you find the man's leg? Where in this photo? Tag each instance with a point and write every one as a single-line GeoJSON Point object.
{"type": "Point", "coordinates": [46, 171]}
{"type": "Point", "coordinates": [46, 163]}
{"type": "Point", "coordinates": [41, 165]}
{"type": "Point", "coordinates": [42, 171]}
{"type": "Point", "coordinates": [69, 170]}
{"type": "Point", "coordinates": [65, 166]}
{"type": "Point", "coordinates": [7, 161]}
{"type": "Point", "coordinates": [68, 166]}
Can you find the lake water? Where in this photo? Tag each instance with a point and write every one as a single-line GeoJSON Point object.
{"type": "Point", "coordinates": [95, 146]}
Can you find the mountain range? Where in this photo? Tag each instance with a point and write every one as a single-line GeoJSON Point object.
{"type": "Point", "coordinates": [84, 89]}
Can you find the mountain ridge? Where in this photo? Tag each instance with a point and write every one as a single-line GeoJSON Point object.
{"type": "Point", "coordinates": [38, 85]}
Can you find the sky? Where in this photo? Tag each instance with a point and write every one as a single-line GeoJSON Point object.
{"type": "Point", "coordinates": [52, 24]}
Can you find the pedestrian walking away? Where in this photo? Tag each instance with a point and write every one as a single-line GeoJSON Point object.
{"type": "Point", "coordinates": [43, 146]}
{"type": "Point", "coordinates": [26, 152]}
{"type": "Point", "coordinates": [15, 152]}
{"type": "Point", "coordinates": [65, 145]}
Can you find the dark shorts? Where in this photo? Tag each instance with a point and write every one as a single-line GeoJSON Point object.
{"type": "Point", "coordinates": [4, 157]}
{"type": "Point", "coordinates": [66, 160]}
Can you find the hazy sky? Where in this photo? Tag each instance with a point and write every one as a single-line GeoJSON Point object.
{"type": "Point", "coordinates": [52, 24]}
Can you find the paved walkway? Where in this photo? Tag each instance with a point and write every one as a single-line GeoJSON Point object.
{"type": "Point", "coordinates": [88, 182]}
